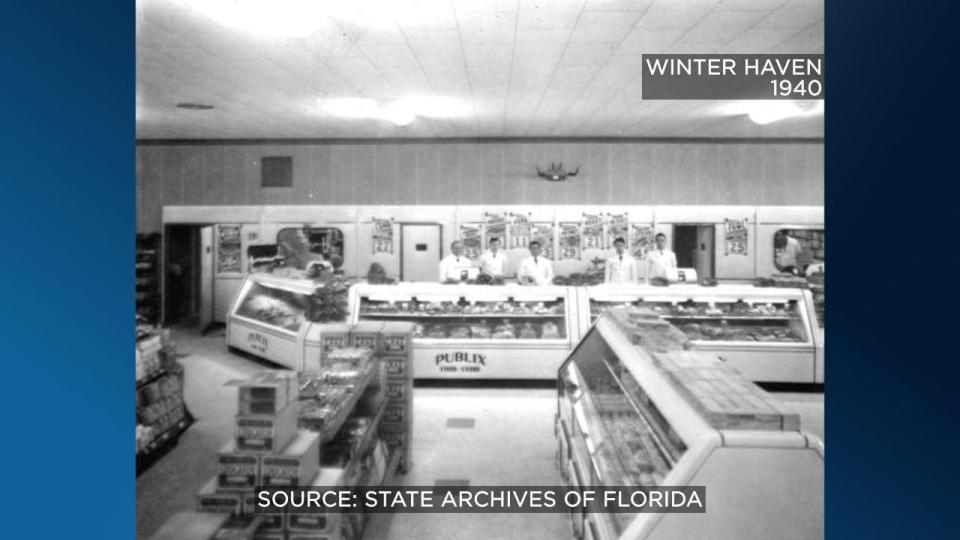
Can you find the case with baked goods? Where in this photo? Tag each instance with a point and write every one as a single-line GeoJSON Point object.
{"type": "Point", "coordinates": [629, 418]}
{"type": "Point", "coordinates": [769, 334]}
{"type": "Point", "coordinates": [476, 331]}
{"type": "Point", "coordinates": [268, 318]}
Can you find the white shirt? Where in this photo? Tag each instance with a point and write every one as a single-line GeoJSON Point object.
{"type": "Point", "coordinates": [788, 255]}
{"type": "Point", "coordinates": [658, 262]}
{"type": "Point", "coordinates": [493, 264]}
{"type": "Point", "coordinates": [541, 270]}
{"type": "Point", "coordinates": [451, 266]}
{"type": "Point", "coordinates": [620, 269]}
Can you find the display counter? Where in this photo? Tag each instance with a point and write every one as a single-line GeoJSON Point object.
{"type": "Point", "coordinates": [625, 418]}
{"type": "Point", "coordinates": [769, 334]}
{"type": "Point", "coordinates": [268, 319]}
{"type": "Point", "coordinates": [477, 331]}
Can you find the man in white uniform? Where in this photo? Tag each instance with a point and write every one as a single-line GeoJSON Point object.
{"type": "Point", "coordinates": [785, 254]}
{"type": "Point", "coordinates": [452, 266]}
{"type": "Point", "coordinates": [535, 270]}
{"type": "Point", "coordinates": [621, 268]}
{"type": "Point", "coordinates": [493, 261]}
{"type": "Point", "coordinates": [660, 260]}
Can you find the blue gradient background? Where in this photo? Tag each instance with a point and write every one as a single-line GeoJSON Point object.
{"type": "Point", "coordinates": [67, 310]}
{"type": "Point", "coordinates": [892, 376]}
{"type": "Point", "coordinates": [67, 306]}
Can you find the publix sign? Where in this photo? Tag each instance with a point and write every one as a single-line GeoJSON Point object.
{"type": "Point", "coordinates": [462, 362]}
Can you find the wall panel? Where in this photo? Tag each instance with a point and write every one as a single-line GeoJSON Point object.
{"type": "Point", "coordinates": [491, 173]}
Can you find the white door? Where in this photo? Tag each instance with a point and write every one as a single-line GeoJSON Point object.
{"type": "Point", "coordinates": [206, 275]}
{"type": "Point", "coordinates": [419, 252]}
{"type": "Point", "coordinates": [705, 246]}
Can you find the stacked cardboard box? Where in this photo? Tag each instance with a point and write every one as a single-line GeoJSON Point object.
{"type": "Point", "coordinates": [395, 351]}
{"type": "Point", "coordinates": [267, 450]}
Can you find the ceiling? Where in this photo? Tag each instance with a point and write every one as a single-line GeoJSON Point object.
{"type": "Point", "coordinates": [513, 68]}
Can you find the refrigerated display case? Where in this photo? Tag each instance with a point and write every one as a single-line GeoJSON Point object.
{"type": "Point", "coordinates": [477, 331]}
{"type": "Point", "coordinates": [268, 319]}
{"type": "Point", "coordinates": [769, 334]}
{"type": "Point", "coordinates": [625, 418]}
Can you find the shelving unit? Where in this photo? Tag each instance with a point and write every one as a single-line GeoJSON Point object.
{"type": "Point", "coordinates": [169, 417]}
{"type": "Point", "coordinates": [148, 277]}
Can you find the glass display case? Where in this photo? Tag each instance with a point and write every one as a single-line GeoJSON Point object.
{"type": "Point", "coordinates": [623, 421]}
{"type": "Point", "coordinates": [769, 333]}
{"type": "Point", "coordinates": [478, 331]}
{"type": "Point", "coordinates": [268, 318]}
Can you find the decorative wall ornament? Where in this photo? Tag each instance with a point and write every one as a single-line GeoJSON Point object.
{"type": "Point", "coordinates": [556, 172]}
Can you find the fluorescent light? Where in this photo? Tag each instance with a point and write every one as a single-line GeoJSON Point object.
{"type": "Point", "coordinates": [351, 107]}
{"type": "Point", "coordinates": [402, 111]}
{"type": "Point", "coordinates": [762, 112]}
{"type": "Point", "coordinates": [398, 114]}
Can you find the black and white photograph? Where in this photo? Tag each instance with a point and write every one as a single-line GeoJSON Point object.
{"type": "Point", "coordinates": [539, 246]}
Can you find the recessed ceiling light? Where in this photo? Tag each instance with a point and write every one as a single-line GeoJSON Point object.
{"type": "Point", "coordinates": [194, 106]}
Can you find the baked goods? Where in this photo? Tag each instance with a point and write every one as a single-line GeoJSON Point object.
{"type": "Point", "coordinates": [549, 330]}
{"type": "Point", "coordinates": [527, 331]}
{"type": "Point", "coordinates": [480, 331]}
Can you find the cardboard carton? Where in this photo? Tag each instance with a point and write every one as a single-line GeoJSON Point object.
{"type": "Point", "coordinates": [397, 338]}
{"type": "Point", "coordinates": [296, 465]}
{"type": "Point", "coordinates": [266, 392]}
{"type": "Point", "coordinates": [190, 526]}
{"type": "Point", "coordinates": [218, 502]}
{"type": "Point", "coordinates": [237, 470]}
{"type": "Point", "coordinates": [366, 335]}
{"type": "Point", "coordinates": [266, 433]}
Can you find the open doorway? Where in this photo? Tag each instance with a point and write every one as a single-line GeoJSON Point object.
{"type": "Point", "coordinates": [188, 274]}
{"type": "Point", "coordinates": [694, 247]}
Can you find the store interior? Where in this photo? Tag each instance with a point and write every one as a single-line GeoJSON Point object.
{"type": "Point", "coordinates": [300, 176]}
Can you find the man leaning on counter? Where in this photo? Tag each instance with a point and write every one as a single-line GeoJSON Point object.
{"type": "Point", "coordinates": [452, 266]}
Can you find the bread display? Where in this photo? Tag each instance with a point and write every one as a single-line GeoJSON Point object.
{"type": "Point", "coordinates": [550, 330]}
{"type": "Point", "coordinates": [527, 331]}
{"type": "Point", "coordinates": [368, 307]}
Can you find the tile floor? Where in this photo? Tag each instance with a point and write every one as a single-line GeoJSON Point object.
{"type": "Point", "coordinates": [477, 435]}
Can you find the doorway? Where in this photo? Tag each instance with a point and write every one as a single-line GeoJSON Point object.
{"type": "Point", "coordinates": [188, 274]}
{"type": "Point", "coordinates": [694, 247]}
{"type": "Point", "coordinates": [419, 251]}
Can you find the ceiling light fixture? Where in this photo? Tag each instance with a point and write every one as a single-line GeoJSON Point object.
{"type": "Point", "coordinates": [402, 111]}
{"type": "Point", "coordinates": [763, 112]}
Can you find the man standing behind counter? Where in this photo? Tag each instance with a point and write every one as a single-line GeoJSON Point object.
{"type": "Point", "coordinates": [493, 262]}
{"type": "Point", "coordinates": [621, 268]}
{"type": "Point", "coordinates": [452, 266]}
{"type": "Point", "coordinates": [535, 269]}
{"type": "Point", "coordinates": [660, 260]}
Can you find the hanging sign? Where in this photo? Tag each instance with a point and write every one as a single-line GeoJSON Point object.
{"type": "Point", "coordinates": [520, 231]}
{"type": "Point", "coordinates": [735, 237]}
{"type": "Point", "coordinates": [543, 233]}
{"type": "Point", "coordinates": [592, 235]}
{"type": "Point", "coordinates": [228, 249]}
{"type": "Point", "coordinates": [382, 236]}
{"type": "Point", "coordinates": [495, 226]}
{"type": "Point", "coordinates": [641, 239]}
{"type": "Point", "coordinates": [618, 226]}
{"type": "Point", "coordinates": [470, 237]}
{"type": "Point", "coordinates": [570, 240]}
